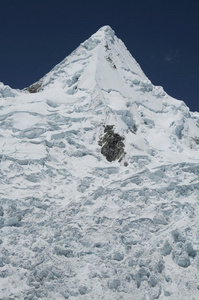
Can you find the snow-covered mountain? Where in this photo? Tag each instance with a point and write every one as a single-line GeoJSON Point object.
{"type": "Point", "coordinates": [99, 183]}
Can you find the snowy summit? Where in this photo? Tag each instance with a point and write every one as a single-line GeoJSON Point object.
{"type": "Point", "coordinates": [99, 183]}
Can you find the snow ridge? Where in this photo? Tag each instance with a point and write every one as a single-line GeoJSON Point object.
{"type": "Point", "coordinates": [74, 225]}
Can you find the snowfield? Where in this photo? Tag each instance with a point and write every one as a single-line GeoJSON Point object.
{"type": "Point", "coordinates": [74, 225]}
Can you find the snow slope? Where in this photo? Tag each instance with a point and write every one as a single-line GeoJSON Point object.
{"type": "Point", "coordinates": [76, 226]}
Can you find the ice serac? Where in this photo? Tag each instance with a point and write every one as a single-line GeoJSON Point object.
{"type": "Point", "coordinates": [99, 183]}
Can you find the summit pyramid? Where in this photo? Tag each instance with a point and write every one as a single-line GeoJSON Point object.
{"type": "Point", "coordinates": [99, 183]}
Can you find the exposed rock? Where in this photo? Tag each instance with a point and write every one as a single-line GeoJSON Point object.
{"type": "Point", "coordinates": [34, 88]}
{"type": "Point", "coordinates": [112, 144]}
{"type": "Point", "coordinates": [109, 59]}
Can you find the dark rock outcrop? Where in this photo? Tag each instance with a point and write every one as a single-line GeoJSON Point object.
{"type": "Point", "coordinates": [34, 88]}
{"type": "Point", "coordinates": [112, 144]}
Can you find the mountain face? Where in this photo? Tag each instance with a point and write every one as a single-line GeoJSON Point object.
{"type": "Point", "coordinates": [99, 183]}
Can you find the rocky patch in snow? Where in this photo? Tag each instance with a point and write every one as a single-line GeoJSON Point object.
{"type": "Point", "coordinates": [34, 88]}
{"type": "Point", "coordinates": [112, 144]}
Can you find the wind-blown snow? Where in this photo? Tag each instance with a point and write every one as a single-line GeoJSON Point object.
{"type": "Point", "coordinates": [72, 224]}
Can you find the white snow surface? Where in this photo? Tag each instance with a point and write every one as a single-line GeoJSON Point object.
{"type": "Point", "coordinates": [76, 226]}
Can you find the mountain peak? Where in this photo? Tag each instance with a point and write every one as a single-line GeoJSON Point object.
{"type": "Point", "coordinates": [92, 63]}
{"type": "Point", "coordinates": [105, 31]}
{"type": "Point", "coordinates": [98, 183]}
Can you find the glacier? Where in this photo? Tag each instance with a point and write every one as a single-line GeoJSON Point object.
{"type": "Point", "coordinates": [76, 225]}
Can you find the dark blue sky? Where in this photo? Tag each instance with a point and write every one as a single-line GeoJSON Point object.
{"type": "Point", "coordinates": [162, 35]}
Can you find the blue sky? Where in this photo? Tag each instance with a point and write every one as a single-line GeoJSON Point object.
{"type": "Point", "coordinates": [162, 35]}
